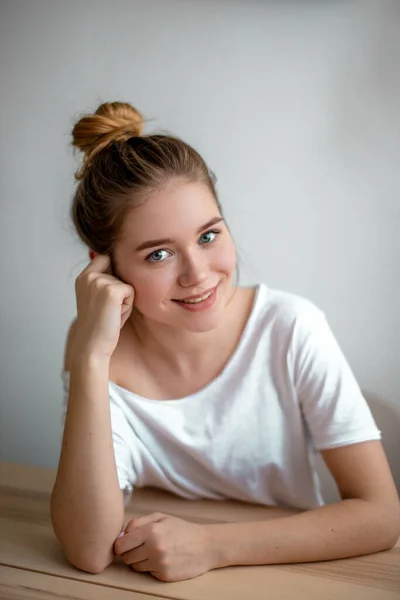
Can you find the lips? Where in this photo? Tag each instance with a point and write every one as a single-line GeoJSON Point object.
{"type": "Point", "coordinates": [198, 300]}
{"type": "Point", "coordinates": [202, 304]}
{"type": "Point", "coordinates": [196, 296]}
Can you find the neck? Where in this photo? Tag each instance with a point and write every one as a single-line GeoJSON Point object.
{"type": "Point", "coordinates": [183, 350]}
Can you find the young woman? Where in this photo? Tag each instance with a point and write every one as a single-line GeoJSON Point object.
{"type": "Point", "coordinates": [177, 377]}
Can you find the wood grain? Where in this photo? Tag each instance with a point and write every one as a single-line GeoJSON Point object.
{"type": "Point", "coordinates": [32, 547]}
{"type": "Point", "coordinates": [27, 543]}
{"type": "Point", "coordinates": [22, 585]}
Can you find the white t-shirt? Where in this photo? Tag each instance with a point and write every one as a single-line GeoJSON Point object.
{"type": "Point", "coordinates": [251, 433]}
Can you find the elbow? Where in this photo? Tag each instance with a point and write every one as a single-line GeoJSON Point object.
{"type": "Point", "coordinates": [392, 536]}
{"type": "Point", "coordinates": [389, 527]}
{"type": "Point", "coordinates": [92, 556]}
{"type": "Point", "coordinates": [89, 562]}
{"type": "Point", "coordinates": [389, 540]}
{"type": "Point", "coordinates": [90, 567]}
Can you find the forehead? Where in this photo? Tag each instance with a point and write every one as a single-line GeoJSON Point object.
{"type": "Point", "coordinates": [177, 207]}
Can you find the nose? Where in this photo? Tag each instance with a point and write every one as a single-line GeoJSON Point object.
{"type": "Point", "coordinates": [194, 270]}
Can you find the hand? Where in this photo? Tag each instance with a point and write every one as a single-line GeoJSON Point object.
{"type": "Point", "coordinates": [169, 548]}
{"type": "Point", "coordinates": [104, 304]}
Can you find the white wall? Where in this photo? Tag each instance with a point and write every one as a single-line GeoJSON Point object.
{"type": "Point", "coordinates": [295, 105]}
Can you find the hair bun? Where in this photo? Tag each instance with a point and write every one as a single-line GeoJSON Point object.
{"type": "Point", "coordinates": [112, 122]}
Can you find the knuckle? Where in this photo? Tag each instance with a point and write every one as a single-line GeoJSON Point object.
{"type": "Point", "coordinates": [160, 552]}
{"type": "Point", "coordinates": [87, 277]}
{"type": "Point", "coordinates": [153, 529]}
{"type": "Point", "coordinates": [164, 575]}
{"type": "Point", "coordinates": [84, 280]}
{"type": "Point", "coordinates": [163, 562]}
{"type": "Point", "coordinates": [95, 282]}
{"type": "Point", "coordinates": [113, 291]}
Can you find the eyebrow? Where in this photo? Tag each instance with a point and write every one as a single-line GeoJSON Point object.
{"type": "Point", "coordinates": [152, 243]}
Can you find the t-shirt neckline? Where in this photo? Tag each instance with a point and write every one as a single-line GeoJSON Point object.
{"type": "Point", "coordinates": [225, 371]}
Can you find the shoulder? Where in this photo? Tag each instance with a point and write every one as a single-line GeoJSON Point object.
{"type": "Point", "coordinates": [287, 309]}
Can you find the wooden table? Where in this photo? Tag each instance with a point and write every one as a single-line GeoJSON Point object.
{"type": "Point", "coordinates": [33, 566]}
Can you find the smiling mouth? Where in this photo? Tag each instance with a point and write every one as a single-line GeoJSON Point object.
{"type": "Point", "coordinates": [196, 300]}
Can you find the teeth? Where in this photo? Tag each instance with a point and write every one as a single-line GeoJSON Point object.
{"type": "Point", "coordinates": [197, 300]}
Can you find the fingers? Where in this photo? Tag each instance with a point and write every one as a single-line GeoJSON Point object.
{"type": "Point", "coordinates": [143, 566]}
{"type": "Point", "coordinates": [138, 555]}
{"type": "Point", "coordinates": [134, 536]}
{"type": "Point", "coordinates": [128, 542]}
{"type": "Point", "coordinates": [140, 521]}
{"type": "Point", "coordinates": [100, 264]}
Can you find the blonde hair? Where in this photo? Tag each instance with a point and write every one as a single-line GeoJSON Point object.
{"type": "Point", "coordinates": [121, 167]}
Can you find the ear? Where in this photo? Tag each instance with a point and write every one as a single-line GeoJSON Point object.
{"type": "Point", "coordinates": [92, 254]}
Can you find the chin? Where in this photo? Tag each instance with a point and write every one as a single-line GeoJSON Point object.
{"type": "Point", "coordinates": [201, 327]}
{"type": "Point", "coordinates": [198, 324]}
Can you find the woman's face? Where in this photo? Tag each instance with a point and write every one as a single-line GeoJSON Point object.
{"type": "Point", "coordinates": [173, 246]}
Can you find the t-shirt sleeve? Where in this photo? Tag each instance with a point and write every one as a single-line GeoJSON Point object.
{"type": "Point", "coordinates": [120, 433]}
{"type": "Point", "coordinates": [330, 398]}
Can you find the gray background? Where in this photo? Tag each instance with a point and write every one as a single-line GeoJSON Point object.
{"type": "Point", "coordinates": [294, 105]}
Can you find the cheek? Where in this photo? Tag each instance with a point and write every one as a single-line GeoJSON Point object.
{"type": "Point", "coordinates": [225, 257]}
{"type": "Point", "coordinates": [152, 285]}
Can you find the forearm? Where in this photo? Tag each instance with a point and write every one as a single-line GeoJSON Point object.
{"type": "Point", "coordinates": [349, 528]}
{"type": "Point", "coordinates": [86, 506]}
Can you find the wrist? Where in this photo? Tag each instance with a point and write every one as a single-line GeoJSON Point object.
{"type": "Point", "coordinates": [217, 545]}
{"type": "Point", "coordinates": [87, 360]}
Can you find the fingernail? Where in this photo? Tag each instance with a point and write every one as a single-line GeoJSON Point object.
{"type": "Point", "coordinates": [121, 534]}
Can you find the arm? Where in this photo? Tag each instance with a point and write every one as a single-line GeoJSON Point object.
{"type": "Point", "coordinates": [87, 508]}
{"type": "Point", "coordinates": [366, 520]}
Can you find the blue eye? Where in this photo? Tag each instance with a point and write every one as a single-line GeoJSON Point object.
{"type": "Point", "coordinates": [205, 239]}
{"type": "Point", "coordinates": [205, 236]}
{"type": "Point", "coordinates": [155, 256]}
